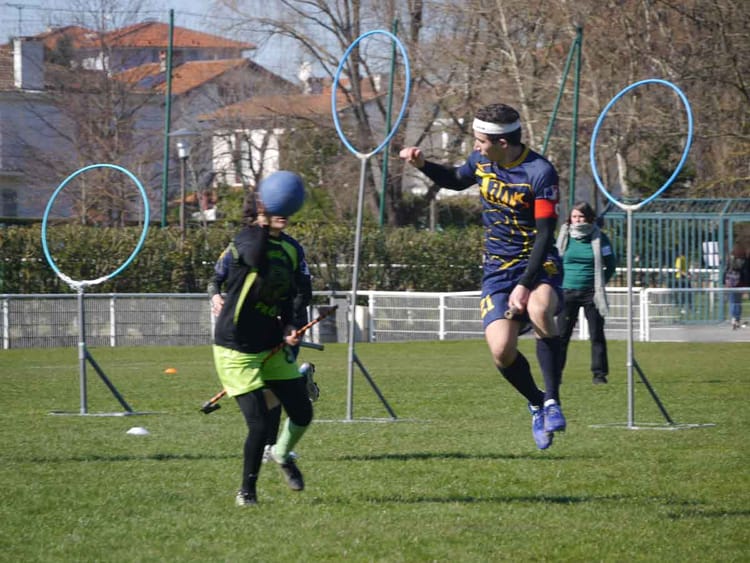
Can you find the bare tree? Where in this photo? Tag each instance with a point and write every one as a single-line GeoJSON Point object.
{"type": "Point", "coordinates": [92, 117]}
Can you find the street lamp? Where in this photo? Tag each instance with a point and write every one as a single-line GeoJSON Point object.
{"type": "Point", "coordinates": [182, 142]}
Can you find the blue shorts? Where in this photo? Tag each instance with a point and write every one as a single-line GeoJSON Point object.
{"type": "Point", "coordinates": [497, 286]}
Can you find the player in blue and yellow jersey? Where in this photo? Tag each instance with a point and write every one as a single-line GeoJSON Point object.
{"type": "Point", "coordinates": [522, 270]}
{"type": "Point", "coordinates": [256, 317]}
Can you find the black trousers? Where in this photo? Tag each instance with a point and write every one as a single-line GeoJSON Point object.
{"type": "Point", "coordinates": [566, 321]}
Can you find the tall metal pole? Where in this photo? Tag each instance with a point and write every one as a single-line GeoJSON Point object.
{"type": "Point", "coordinates": [552, 118]}
{"type": "Point", "coordinates": [574, 133]}
{"type": "Point", "coordinates": [82, 350]}
{"type": "Point", "coordinates": [167, 123]}
{"type": "Point", "coordinates": [629, 361]}
{"type": "Point", "coordinates": [384, 181]}
{"type": "Point", "coordinates": [355, 283]}
{"type": "Point", "coordinates": [183, 162]}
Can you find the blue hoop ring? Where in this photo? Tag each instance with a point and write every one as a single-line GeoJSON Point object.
{"type": "Point", "coordinates": [146, 220]}
{"type": "Point", "coordinates": [334, 90]}
{"type": "Point", "coordinates": [689, 141]}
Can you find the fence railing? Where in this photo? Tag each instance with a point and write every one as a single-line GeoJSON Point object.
{"type": "Point", "coordinates": [140, 319]}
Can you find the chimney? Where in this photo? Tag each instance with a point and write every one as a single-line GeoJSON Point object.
{"type": "Point", "coordinates": [28, 63]}
{"type": "Point", "coordinates": [304, 74]}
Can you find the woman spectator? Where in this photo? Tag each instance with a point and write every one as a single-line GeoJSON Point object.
{"type": "Point", "coordinates": [737, 274]}
{"type": "Point", "coordinates": [588, 264]}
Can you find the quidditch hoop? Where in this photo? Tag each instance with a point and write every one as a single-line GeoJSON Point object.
{"type": "Point", "coordinates": [688, 142]}
{"type": "Point", "coordinates": [146, 219]}
{"type": "Point", "coordinates": [334, 90]}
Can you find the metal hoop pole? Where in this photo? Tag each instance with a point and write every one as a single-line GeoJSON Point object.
{"type": "Point", "coordinates": [80, 285]}
{"type": "Point", "coordinates": [363, 157]}
{"type": "Point", "coordinates": [630, 348]}
{"type": "Point", "coordinates": [82, 351]}
{"type": "Point", "coordinates": [355, 284]}
{"type": "Point", "coordinates": [630, 209]}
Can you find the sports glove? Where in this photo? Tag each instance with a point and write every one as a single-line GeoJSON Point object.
{"type": "Point", "coordinates": [308, 370]}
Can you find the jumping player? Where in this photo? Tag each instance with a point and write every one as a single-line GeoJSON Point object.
{"type": "Point", "coordinates": [256, 316]}
{"type": "Point", "coordinates": [522, 270]}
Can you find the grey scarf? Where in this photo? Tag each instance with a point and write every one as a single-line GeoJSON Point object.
{"type": "Point", "coordinates": [578, 232]}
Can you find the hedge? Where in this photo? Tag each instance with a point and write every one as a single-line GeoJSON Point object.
{"type": "Point", "coordinates": [391, 259]}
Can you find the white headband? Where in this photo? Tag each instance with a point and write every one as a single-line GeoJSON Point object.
{"type": "Point", "coordinates": [495, 128]}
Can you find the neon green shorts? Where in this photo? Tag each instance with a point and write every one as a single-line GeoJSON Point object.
{"type": "Point", "coordinates": [241, 373]}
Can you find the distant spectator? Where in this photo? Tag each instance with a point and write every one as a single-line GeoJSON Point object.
{"type": "Point", "coordinates": [737, 274]}
{"type": "Point", "coordinates": [588, 264]}
{"type": "Point", "coordinates": [682, 281]}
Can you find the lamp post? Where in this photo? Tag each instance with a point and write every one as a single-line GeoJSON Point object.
{"type": "Point", "coordinates": [182, 143]}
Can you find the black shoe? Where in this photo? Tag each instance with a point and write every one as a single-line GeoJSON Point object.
{"type": "Point", "coordinates": [289, 470]}
{"type": "Point", "coordinates": [244, 498]}
{"type": "Point", "coordinates": [599, 379]}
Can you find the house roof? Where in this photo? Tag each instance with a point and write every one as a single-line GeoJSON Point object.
{"type": "Point", "coordinates": [308, 106]}
{"type": "Point", "coordinates": [156, 34]}
{"type": "Point", "coordinates": [80, 37]}
{"type": "Point", "coordinates": [140, 36]}
{"type": "Point", "coordinates": [187, 76]}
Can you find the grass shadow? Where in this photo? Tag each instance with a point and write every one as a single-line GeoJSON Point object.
{"type": "Point", "coordinates": [447, 455]}
{"type": "Point", "coordinates": [95, 458]}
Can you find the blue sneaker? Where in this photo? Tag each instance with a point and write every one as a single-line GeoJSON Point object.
{"type": "Point", "coordinates": [542, 438]}
{"type": "Point", "coordinates": [554, 421]}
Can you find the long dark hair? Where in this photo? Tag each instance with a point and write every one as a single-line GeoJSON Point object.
{"type": "Point", "coordinates": [584, 208]}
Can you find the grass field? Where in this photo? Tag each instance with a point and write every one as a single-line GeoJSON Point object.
{"type": "Point", "coordinates": [455, 478]}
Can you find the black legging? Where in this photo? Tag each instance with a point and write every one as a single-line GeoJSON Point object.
{"type": "Point", "coordinates": [292, 393]}
{"type": "Point", "coordinates": [567, 319]}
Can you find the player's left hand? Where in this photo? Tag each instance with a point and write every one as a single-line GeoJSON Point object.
{"type": "Point", "coordinates": [292, 337]}
{"type": "Point", "coordinates": [217, 303]}
{"type": "Point", "coordinates": [518, 299]}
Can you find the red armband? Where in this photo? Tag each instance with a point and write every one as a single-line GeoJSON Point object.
{"type": "Point", "coordinates": [545, 209]}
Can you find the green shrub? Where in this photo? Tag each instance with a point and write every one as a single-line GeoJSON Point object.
{"type": "Point", "coordinates": [391, 259]}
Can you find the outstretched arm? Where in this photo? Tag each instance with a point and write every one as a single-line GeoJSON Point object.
{"type": "Point", "coordinates": [443, 176]}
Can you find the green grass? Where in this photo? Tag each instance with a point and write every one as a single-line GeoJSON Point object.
{"type": "Point", "coordinates": [456, 478]}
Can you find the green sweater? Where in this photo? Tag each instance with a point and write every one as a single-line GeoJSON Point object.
{"type": "Point", "coordinates": [578, 263]}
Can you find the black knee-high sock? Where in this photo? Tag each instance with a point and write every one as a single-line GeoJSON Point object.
{"type": "Point", "coordinates": [518, 375]}
{"type": "Point", "coordinates": [251, 463]}
{"type": "Point", "coordinates": [253, 408]}
{"type": "Point", "coordinates": [548, 352]}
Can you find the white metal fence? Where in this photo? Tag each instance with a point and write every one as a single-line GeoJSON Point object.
{"type": "Point", "coordinates": [45, 321]}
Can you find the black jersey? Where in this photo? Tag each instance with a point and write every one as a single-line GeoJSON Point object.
{"type": "Point", "coordinates": [261, 285]}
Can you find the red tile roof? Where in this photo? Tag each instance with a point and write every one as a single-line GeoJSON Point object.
{"type": "Point", "coordinates": [80, 36]}
{"type": "Point", "coordinates": [187, 76]}
{"type": "Point", "coordinates": [192, 74]}
{"type": "Point", "coordinates": [138, 74]}
{"type": "Point", "coordinates": [156, 34]}
{"type": "Point", "coordinates": [139, 36]}
{"type": "Point", "coordinates": [310, 106]}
